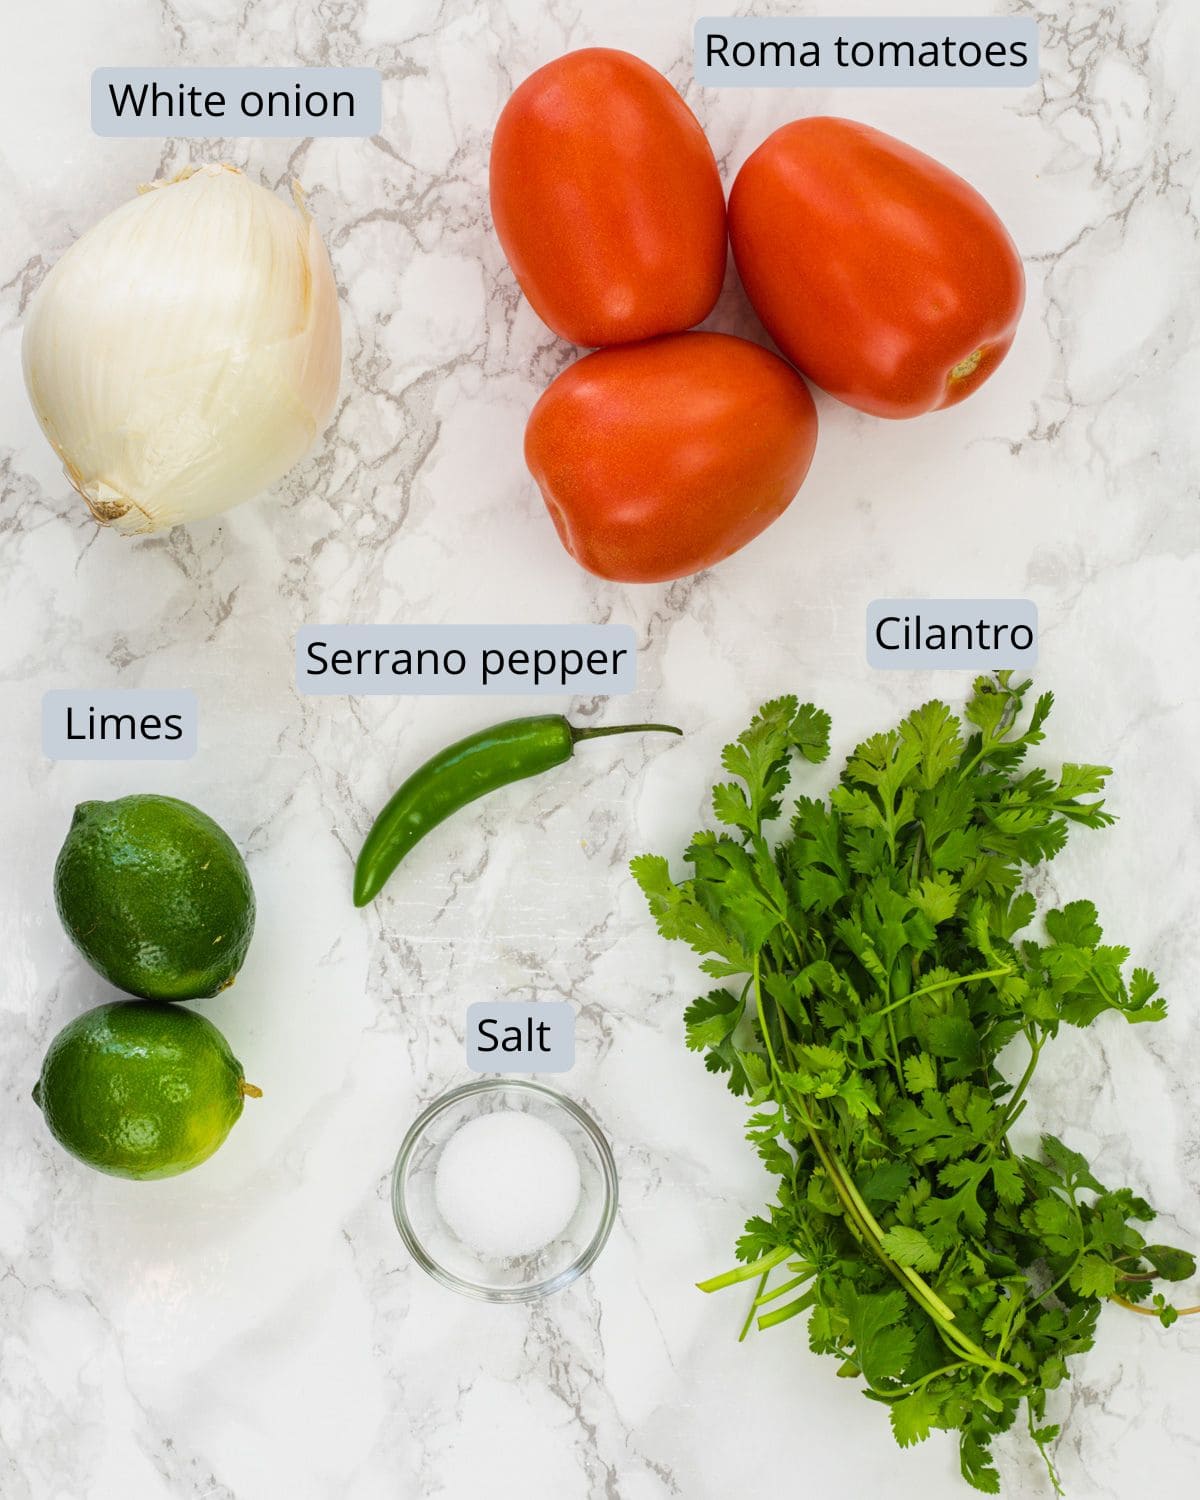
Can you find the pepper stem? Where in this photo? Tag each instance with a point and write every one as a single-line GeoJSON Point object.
{"type": "Point", "coordinates": [595, 734]}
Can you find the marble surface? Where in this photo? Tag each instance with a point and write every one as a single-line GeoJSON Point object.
{"type": "Point", "coordinates": [254, 1331]}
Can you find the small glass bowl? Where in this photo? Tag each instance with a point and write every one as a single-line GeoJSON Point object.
{"type": "Point", "coordinates": [439, 1251]}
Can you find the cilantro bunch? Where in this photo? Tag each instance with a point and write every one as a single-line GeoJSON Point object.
{"type": "Point", "coordinates": [876, 966]}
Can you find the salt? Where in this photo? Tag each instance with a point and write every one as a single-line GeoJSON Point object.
{"type": "Point", "coordinates": [507, 1184]}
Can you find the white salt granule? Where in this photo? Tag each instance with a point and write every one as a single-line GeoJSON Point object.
{"type": "Point", "coordinates": [507, 1184]}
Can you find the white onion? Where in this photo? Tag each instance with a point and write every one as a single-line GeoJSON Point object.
{"type": "Point", "coordinates": [185, 352]}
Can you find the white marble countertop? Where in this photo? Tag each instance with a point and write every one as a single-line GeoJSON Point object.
{"type": "Point", "coordinates": [254, 1330]}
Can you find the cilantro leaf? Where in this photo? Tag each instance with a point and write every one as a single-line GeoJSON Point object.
{"type": "Point", "coordinates": [885, 1183]}
{"type": "Point", "coordinates": [1074, 1167]}
{"type": "Point", "coordinates": [976, 1462]}
{"type": "Point", "coordinates": [920, 1073]}
{"type": "Point", "coordinates": [913, 1416]}
{"type": "Point", "coordinates": [933, 731]}
{"type": "Point", "coordinates": [711, 1019]}
{"type": "Point", "coordinates": [909, 1247]}
{"type": "Point", "coordinates": [1056, 1223]}
{"type": "Point", "coordinates": [1169, 1263]}
{"type": "Point", "coordinates": [937, 896]}
{"type": "Point", "coordinates": [881, 1337]}
{"type": "Point", "coordinates": [1094, 1277]}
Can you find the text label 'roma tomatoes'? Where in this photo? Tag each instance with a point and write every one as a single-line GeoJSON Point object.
{"type": "Point", "coordinates": [659, 459]}
{"type": "Point", "coordinates": [881, 274]}
{"type": "Point", "coordinates": [607, 200]}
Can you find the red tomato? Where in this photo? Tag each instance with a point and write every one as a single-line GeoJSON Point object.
{"type": "Point", "coordinates": [879, 273]}
{"type": "Point", "coordinates": [659, 459]}
{"type": "Point", "coordinates": [607, 200]}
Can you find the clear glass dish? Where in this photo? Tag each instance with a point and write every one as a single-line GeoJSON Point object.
{"type": "Point", "coordinates": [439, 1251]}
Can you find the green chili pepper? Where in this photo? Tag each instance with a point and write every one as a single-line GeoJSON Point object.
{"type": "Point", "coordinates": [460, 773]}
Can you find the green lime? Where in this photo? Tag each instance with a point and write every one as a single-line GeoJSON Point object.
{"type": "Point", "coordinates": [155, 896]}
{"type": "Point", "coordinates": [141, 1089]}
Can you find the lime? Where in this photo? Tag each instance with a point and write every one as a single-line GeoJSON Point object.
{"type": "Point", "coordinates": [141, 1089]}
{"type": "Point", "coordinates": [155, 896]}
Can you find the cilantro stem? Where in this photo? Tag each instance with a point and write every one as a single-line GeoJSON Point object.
{"type": "Point", "coordinates": [784, 1287]}
{"type": "Point", "coordinates": [918, 850]}
{"type": "Point", "coordinates": [1008, 717]}
{"type": "Point", "coordinates": [762, 1018]}
{"type": "Point", "coordinates": [872, 1232]}
{"type": "Point", "coordinates": [1150, 1312]}
{"type": "Point", "coordinates": [1014, 1106]}
{"type": "Point", "coordinates": [791, 1310]}
{"type": "Point", "coordinates": [1054, 1285]}
{"type": "Point", "coordinates": [765, 1263]}
{"type": "Point", "coordinates": [865, 1221]}
{"type": "Point", "coordinates": [918, 1385]}
{"type": "Point", "coordinates": [945, 984]}
{"type": "Point", "coordinates": [897, 1066]}
{"type": "Point", "coordinates": [749, 1323]}
{"type": "Point", "coordinates": [1041, 1447]}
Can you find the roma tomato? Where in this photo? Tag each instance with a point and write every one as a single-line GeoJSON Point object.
{"type": "Point", "coordinates": [607, 200]}
{"type": "Point", "coordinates": [879, 273]}
{"type": "Point", "coordinates": [659, 459]}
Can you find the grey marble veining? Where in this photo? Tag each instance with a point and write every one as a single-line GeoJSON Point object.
{"type": "Point", "coordinates": [254, 1331]}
